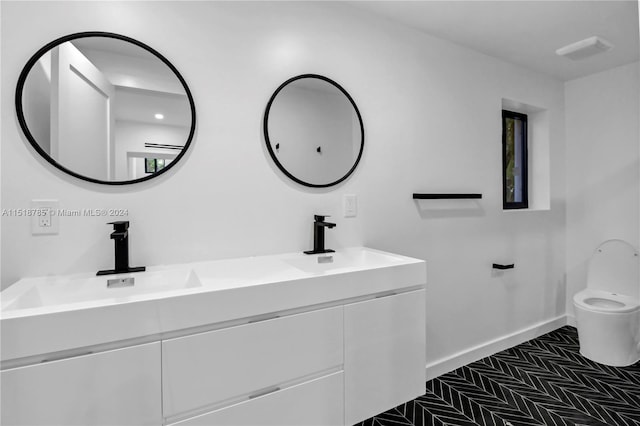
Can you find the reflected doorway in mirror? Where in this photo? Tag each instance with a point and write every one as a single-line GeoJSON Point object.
{"type": "Point", "coordinates": [87, 101]}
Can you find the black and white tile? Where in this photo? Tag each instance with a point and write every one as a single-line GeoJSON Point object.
{"type": "Point", "coordinates": [544, 381]}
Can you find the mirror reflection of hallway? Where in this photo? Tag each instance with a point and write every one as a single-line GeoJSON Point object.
{"type": "Point", "coordinates": [92, 103]}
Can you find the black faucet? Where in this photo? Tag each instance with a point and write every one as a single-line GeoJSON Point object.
{"type": "Point", "coordinates": [120, 237]}
{"type": "Point", "coordinates": [318, 235]}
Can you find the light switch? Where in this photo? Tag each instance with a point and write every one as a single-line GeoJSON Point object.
{"type": "Point", "coordinates": [44, 217]}
{"type": "Point", "coordinates": [350, 205]}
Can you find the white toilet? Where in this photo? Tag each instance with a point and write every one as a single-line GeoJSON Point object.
{"type": "Point", "coordinates": [608, 310]}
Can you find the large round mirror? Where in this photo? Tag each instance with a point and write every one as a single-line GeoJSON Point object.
{"type": "Point", "coordinates": [105, 108]}
{"type": "Point", "coordinates": [313, 130]}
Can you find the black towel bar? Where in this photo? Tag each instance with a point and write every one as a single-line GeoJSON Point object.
{"type": "Point", "coordinates": [417, 196]}
{"type": "Point", "coordinates": [498, 266]}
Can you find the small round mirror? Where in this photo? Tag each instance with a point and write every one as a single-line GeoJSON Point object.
{"type": "Point", "coordinates": [313, 131]}
{"type": "Point", "coordinates": [105, 108]}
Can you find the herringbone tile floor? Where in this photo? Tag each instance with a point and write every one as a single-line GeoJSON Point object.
{"type": "Point", "coordinates": [544, 381]}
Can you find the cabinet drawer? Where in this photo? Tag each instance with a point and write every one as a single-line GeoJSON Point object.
{"type": "Point", "coordinates": [120, 387]}
{"type": "Point", "coordinates": [317, 402]}
{"type": "Point", "coordinates": [211, 367]}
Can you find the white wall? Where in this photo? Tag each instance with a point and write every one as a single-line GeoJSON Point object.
{"type": "Point", "coordinates": [302, 119]}
{"type": "Point", "coordinates": [81, 114]}
{"type": "Point", "coordinates": [603, 170]}
{"type": "Point", "coordinates": [131, 137]}
{"type": "Point", "coordinates": [431, 111]}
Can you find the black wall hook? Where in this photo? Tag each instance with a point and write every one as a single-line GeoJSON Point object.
{"type": "Point", "coordinates": [319, 149]}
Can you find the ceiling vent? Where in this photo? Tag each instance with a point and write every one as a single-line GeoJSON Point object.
{"type": "Point", "coordinates": [585, 48]}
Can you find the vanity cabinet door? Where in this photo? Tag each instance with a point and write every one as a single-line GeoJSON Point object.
{"type": "Point", "coordinates": [317, 402]}
{"type": "Point", "coordinates": [385, 354]}
{"type": "Point", "coordinates": [119, 387]}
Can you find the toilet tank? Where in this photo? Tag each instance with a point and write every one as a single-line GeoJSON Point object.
{"type": "Point", "coordinates": [615, 267]}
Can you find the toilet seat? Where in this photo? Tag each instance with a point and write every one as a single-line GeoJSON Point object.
{"type": "Point", "coordinates": [605, 301]}
{"type": "Point", "coordinates": [613, 267]}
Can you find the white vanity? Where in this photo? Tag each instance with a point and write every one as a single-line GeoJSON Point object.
{"type": "Point", "coordinates": [272, 340]}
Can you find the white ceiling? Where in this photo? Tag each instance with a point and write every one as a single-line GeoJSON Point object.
{"type": "Point", "coordinates": [112, 45]}
{"type": "Point", "coordinates": [525, 33]}
{"type": "Point", "coordinates": [141, 106]}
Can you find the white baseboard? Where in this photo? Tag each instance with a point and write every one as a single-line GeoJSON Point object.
{"type": "Point", "coordinates": [457, 360]}
{"type": "Point", "coordinates": [571, 320]}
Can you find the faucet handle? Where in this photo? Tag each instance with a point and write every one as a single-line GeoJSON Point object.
{"type": "Point", "coordinates": [320, 218]}
{"type": "Point", "coordinates": [119, 225]}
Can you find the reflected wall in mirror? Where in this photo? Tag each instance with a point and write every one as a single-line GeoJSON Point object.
{"type": "Point", "coordinates": [100, 106]}
{"type": "Point", "coordinates": [313, 131]}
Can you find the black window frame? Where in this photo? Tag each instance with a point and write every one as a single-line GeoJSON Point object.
{"type": "Point", "coordinates": [155, 165]}
{"type": "Point", "coordinates": [524, 204]}
{"type": "Point", "coordinates": [147, 169]}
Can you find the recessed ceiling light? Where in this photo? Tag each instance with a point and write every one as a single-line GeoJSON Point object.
{"type": "Point", "coordinates": [159, 116]}
{"type": "Point", "coordinates": [585, 48]}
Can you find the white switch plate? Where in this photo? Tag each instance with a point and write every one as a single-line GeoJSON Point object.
{"type": "Point", "coordinates": [350, 205]}
{"type": "Point", "coordinates": [44, 218]}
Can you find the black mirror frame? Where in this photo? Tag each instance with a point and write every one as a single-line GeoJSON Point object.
{"type": "Point", "coordinates": [23, 124]}
{"type": "Point", "coordinates": [268, 142]}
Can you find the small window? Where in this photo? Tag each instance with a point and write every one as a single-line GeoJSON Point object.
{"type": "Point", "coordinates": [152, 165]}
{"type": "Point", "coordinates": [514, 160]}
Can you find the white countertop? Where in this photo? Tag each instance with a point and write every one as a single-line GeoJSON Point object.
{"type": "Point", "coordinates": [53, 314]}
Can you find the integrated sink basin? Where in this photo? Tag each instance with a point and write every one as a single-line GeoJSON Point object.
{"type": "Point", "coordinates": [52, 292]}
{"type": "Point", "coordinates": [61, 313]}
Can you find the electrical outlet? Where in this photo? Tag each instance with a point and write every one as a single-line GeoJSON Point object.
{"type": "Point", "coordinates": [44, 218]}
{"type": "Point", "coordinates": [350, 205]}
